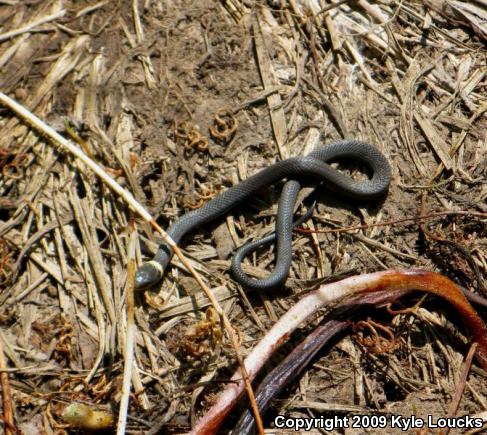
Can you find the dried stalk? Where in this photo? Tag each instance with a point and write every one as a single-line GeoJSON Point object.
{"type": "Point", "coordinates": [129, 336]}
{"type": "Point", "coordinates": [7, 405]}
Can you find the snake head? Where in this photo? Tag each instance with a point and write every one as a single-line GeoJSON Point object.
{"type": "Point", "coordinates": [147, 275]}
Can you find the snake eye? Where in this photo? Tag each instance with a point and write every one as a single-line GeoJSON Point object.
{"type": "Point", "coordinates": [147, 275]}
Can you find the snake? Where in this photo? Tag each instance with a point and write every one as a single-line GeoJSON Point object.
{"type": "Point", "coordinates": [297, 171]}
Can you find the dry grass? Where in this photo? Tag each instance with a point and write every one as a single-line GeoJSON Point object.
{"type": "Point", "coordinates": [142, 87]}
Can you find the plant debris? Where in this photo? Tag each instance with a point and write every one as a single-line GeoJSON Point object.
{"type": "Point", "coordinates": [178, 101]}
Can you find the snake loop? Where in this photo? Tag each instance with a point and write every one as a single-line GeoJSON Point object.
{"type": "Point", "coordinates": [295, 169]}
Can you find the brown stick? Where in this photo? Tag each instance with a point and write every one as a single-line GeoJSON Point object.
{"type": "Point", "coordinates": [462, 383]}
{"type": "Point", "coordinates": [8, 409]}
{"type": "Point", "coordinates": [394, 222]}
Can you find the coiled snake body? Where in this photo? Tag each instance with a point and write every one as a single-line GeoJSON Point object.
{"type": "Point", "coordinates": [296, 169]}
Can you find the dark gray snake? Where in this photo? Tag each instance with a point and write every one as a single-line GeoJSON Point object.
{"type": "Point", "coordinates": [296, 170]}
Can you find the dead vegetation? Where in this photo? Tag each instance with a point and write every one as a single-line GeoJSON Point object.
{"type": "Point", "coordinates": [179, 100]}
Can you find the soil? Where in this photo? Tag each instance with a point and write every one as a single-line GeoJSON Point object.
{"type": "Point", "coordinates": [180, 100]}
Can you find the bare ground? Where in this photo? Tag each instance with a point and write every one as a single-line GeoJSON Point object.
{"type": "Point", "coordinates": [179, 100]}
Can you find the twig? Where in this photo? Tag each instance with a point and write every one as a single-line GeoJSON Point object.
{"type": "Point", "coordinates": [130, 334]}
{"type": "Point", "coordinates": [328, 8]}
{"type": "Point", "coordinates": [429, 235]}
{"type": "Point", "coordinates": [462, 382]}
{"type": "Point", "coordinates": [8, 412]}
{"type": "Point", "coordinates": [31, 26]}
{"type": "Point", "coordinates": [394, 222]}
